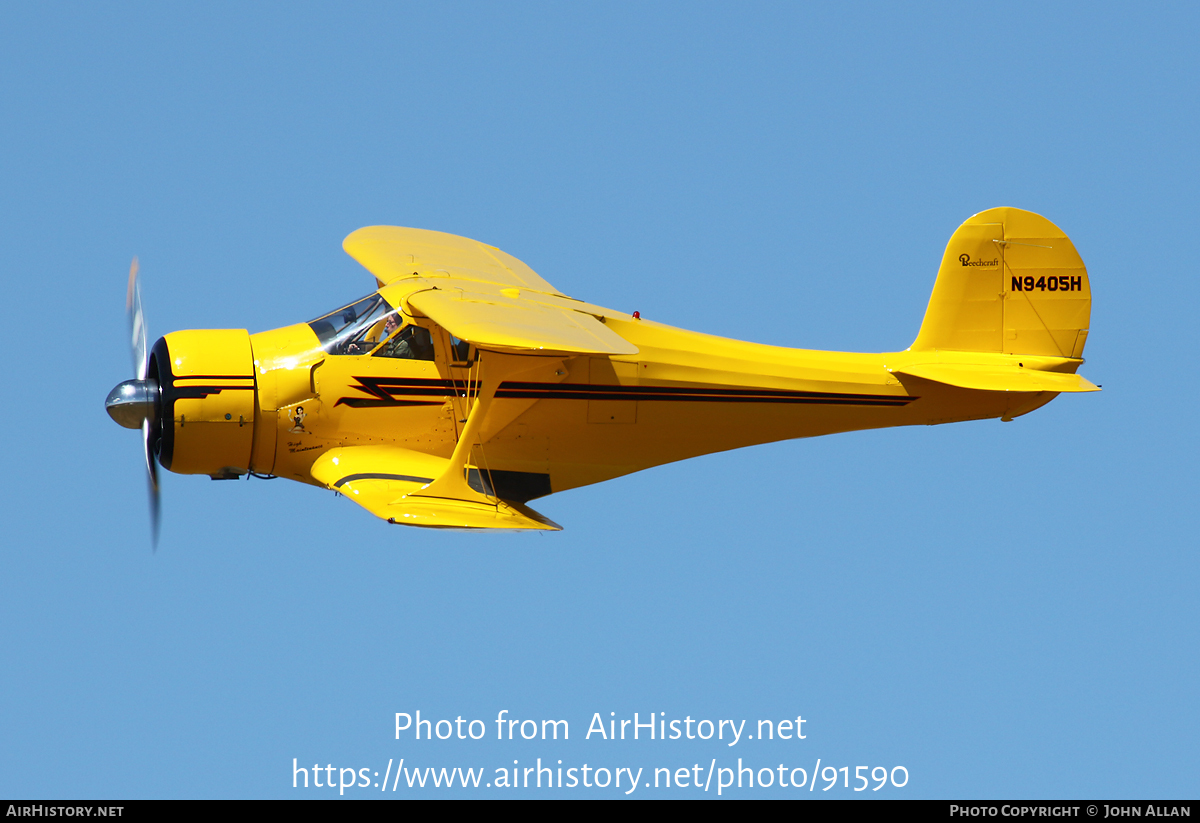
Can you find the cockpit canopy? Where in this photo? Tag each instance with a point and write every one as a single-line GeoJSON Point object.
{"type": "Point", "coordinates": [371, 326]}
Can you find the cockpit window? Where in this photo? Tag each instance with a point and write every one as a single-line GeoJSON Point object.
{"type": "Point", "coordinates": [354, 329]}
{"type": "Point", "coordinates": [460, 349]}
{"type": "Point", "coordinates": [372, 325]}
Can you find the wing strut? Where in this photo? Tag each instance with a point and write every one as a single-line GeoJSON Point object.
{"type": "Point", "coordinates": [452, 483]}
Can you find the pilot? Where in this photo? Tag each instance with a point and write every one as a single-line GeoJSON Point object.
{"type": "Point", "coordinates": [396, 346]}
{"type": "Point", "coordinates": [363, 344]}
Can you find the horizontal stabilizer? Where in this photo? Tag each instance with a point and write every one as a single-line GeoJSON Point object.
{"type": "Point", "coordinates": [998, 378]}
{"type": "Point", "coordinates": [387, 481]}
{"type": "Point", "coordinates": [513, 324]}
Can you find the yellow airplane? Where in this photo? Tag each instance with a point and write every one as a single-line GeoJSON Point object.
{"type": "Point", "coordinates": [466, 385]}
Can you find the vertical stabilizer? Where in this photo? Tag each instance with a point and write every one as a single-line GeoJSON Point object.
{"type": "Point", "coordinates": [1010, 282]}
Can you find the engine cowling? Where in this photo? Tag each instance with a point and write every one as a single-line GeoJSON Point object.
{"type": "Point", "coordinates": [207, 390]}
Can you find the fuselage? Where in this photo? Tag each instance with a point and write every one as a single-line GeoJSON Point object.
{"type": "Point", "coordinates": [556, 422]}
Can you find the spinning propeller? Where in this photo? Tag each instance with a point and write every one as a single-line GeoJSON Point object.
{"type": "Point", "coordinates": [135, 404]}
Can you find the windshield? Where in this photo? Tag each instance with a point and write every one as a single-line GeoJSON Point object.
{"type": "Point", "coordinates": [354, 329]}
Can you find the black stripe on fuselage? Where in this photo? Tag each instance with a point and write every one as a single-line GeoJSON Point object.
{"type": "Point", "coordinates": [827, 400]}
{"type": "Point", "coordinates": [578, 391]}
{"type": "Point", "coordinates": [382, 402]}
{"type": "Point", "coordinates": [384, 390]}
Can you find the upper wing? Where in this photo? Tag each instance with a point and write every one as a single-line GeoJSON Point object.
{"type": "Point", "coordinates": [480, 294]}
{"type": "Point", "coordinates": [510, 322]}
{"type": "Point", "coordinates": [392, 252]}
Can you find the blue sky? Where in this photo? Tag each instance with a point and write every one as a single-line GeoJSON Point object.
{"type": "Point", "coordinates": [1002, 609]}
